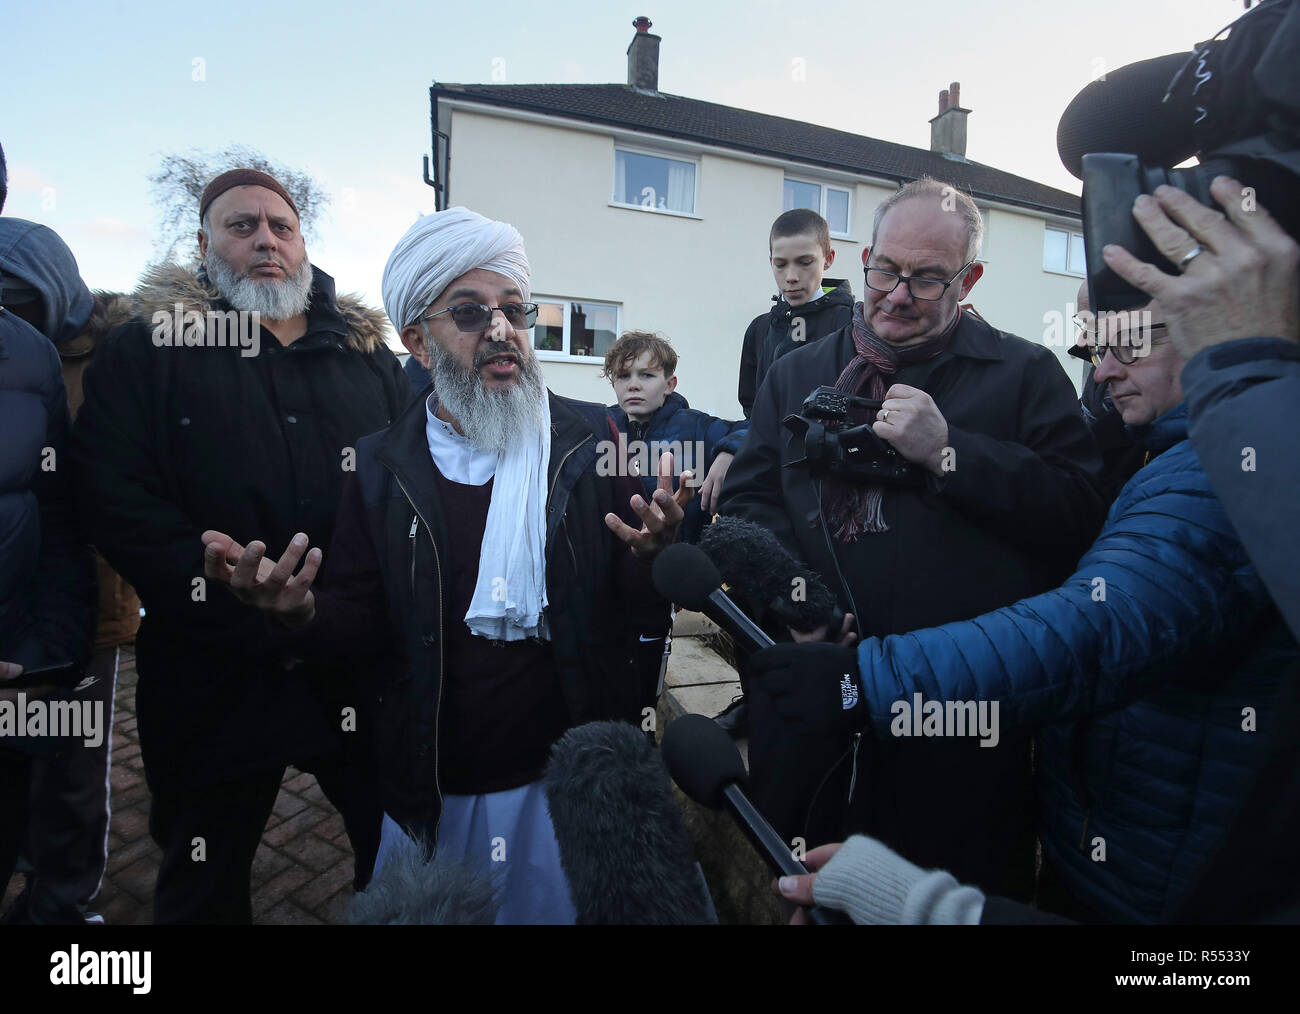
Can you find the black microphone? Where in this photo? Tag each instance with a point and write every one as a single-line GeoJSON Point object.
{"type": "Point", "coordinates": [623, 843]}
{"type": "Point", "coordinates": [684, 574]}
{"type": "Point", "coordinates": [1124, 111]}
{"type": "Point", "coordinates": [758, 568]}
{"type": "Point", "coordinates": [413, 891]}
{"type": "Point", "coordinates": [706, 765]}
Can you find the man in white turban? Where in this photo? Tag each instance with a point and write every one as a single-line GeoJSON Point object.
{"type": "Point", "coordinates": [481, 571]}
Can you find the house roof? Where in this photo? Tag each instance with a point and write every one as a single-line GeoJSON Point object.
{"type": "Point", "coordinates": [674, 116]}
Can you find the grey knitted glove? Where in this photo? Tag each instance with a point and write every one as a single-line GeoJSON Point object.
{"type": "Point", "coordinates": [875, 885]}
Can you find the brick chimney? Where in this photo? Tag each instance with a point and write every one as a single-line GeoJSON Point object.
{"type": "Point", "coordinates": [643, 57]}
{"type": "Point", "coordinates": [948, 129]}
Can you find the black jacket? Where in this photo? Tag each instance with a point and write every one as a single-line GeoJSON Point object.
{"type": "Point", "coordinates": [1011, 520]}
{"type": "Point", "coordinates": [172, 441]}
{"type": "Point", "coordinates": [768, 338]}
{"type": "Point", "coordinates": [382, 603]}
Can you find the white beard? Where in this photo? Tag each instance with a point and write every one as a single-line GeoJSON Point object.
{"type": "Point", "coordinates": [491, 418]}
{"type": "Point", "coordinates": [273, 300]}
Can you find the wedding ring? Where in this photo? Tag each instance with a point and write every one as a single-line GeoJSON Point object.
{"type": "Point", "coordinates": [884, 415]}
{"type": "Point", "coordinates": [1190, 256]}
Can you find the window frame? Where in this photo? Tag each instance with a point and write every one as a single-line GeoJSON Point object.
{"type": "Point", "coordinates": [823, 185]}
{"type": "Point", "coordinates": [661, 154]}
{"type": "Point", "coordinates": [564, 355]}
{"type": "Point", "coordinates": [1070, 232]}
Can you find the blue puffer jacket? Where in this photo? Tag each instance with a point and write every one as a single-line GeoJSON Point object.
{"type": "Point", "coordinates": [1146, 674]}
{"type": "Point", "coordinates": [701, 437]}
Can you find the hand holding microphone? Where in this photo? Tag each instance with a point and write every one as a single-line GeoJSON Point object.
{"type": "Point", "coordinates": [706, 765]}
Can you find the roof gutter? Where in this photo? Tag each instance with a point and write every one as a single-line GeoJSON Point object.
{"type": "Point", "coordinates": [441, 179]}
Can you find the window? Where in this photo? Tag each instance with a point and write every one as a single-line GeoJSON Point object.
{"type": "Point", "coordinates": [654, 182]}
{"type": "Point", "coordinates": [832, 203]}
{"type": "Point", "coordinates": [1063, 251]}
{"type": "Point", "coordinates": [574, 328]}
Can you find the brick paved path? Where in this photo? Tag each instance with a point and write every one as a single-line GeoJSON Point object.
{"type": "Point", "coordinates": [302, 873]}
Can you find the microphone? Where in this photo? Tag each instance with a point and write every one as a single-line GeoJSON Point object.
{"type": "Point", "coordinates": [706, 765]}
{"type": "Point", "coordinates": [683, 574]}
{"type": "Point", "coordinates": [758, 568]}
{"type": "Point", "coordinates": [410, 891]}
{"type": "Point", "coordinates": [1124, 112]}
{"type": "Point", "coordinates": [623, 843]}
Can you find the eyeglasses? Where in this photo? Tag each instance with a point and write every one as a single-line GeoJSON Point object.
{"type": "Point", "coordinates": [471, 317]}
{"type": "Point", "coordinates": [1122, 346]}
{"type": "Point", "coordinates": [928, 289]}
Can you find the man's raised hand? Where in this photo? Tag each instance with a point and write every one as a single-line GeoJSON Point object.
{"type": "Point", "coordinates": [258, 582]}
{"type": "Point", "coordinates": [659, 519]}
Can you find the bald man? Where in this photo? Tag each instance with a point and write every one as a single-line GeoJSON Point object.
{"type": "Point", "coordinates": [234, 400]}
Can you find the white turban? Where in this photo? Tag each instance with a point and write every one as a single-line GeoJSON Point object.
{"type": "Point", "coordinates": [441, 247]}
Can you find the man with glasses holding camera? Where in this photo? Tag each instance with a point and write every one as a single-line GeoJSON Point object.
{"type": "Point", "coordinates": [1002, 500]}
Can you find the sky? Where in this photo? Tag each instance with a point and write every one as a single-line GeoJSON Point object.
{"type": "Point", "coordinates": [95, 94]}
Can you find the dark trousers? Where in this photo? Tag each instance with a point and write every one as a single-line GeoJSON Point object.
{"type": "Point", "coordinates": [209, 835]}
{"type": "Point", "coordinates": [15, 785]}
{"type": "Point", "coordinates": [60, 832]}
{"type": "Point", "coordinates": [67, 836]}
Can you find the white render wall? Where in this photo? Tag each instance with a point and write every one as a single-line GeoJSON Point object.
{"type": "Point", "coordinates": [698, 280]}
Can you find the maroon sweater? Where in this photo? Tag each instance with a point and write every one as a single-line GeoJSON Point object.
{"type": "Point", "coordinates": [502, 706]}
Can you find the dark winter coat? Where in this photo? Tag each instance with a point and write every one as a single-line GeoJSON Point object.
{"type": "Point", "coordinates": [172, 441]}
{"type": "Point", "coordinates": [768, 336]}
{"type": "Point", "coordinates": [47, 570]}
{"type": "Point", "coordinates": [1010, 520]}
{"type": "Point", "coordinates": [1146, 674]}
{"type": "Point", "coordinates": [701, 436]}
{"type": "Point", "coordinates": [382, 602]}
{"type": "Point", "coordinates": [74, 318]}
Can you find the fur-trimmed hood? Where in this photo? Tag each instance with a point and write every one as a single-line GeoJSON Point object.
{"type": "Point", "coordinates": [165, 285]}
{"type": "Point", "coordinates": [109, 310]}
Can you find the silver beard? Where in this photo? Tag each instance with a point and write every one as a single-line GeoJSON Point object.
{"type": "Point", "coordinates": [273, 300]}
{"type": "Point", "coordinates": [492, 419]}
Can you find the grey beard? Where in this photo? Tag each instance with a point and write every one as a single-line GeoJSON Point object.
{"type": "Point", "coordinates": [490, 419]}
{"type": "Point", "coordinates": [273, 300]}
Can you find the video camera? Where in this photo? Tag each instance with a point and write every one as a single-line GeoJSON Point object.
{"type": "Point", "coordinates": [1234, 102]}
{"type": "Point", "coordinates": [832, 446]}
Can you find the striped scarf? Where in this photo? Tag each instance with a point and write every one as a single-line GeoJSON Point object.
{"type": "Point", "coordinates": [854, 508]}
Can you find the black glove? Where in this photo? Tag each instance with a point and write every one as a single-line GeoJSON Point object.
{"type": "Point", "coordinates": [814, 687]}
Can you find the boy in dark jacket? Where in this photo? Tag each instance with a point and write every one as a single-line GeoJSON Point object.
{"type": "Point", "coordinates": [799, 248]}
{"type": "Point", "coordinates": [642, 367]}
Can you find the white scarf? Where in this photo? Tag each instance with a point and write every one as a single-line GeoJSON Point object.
{"type": "Point", "coordinates": [510, 592]}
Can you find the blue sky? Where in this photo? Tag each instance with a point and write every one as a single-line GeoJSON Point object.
{"type": "Point", "coordinates": [95, 94]}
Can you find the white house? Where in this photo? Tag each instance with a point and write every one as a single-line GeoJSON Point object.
{"type": "Point", "coordinates": [649, 211]}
